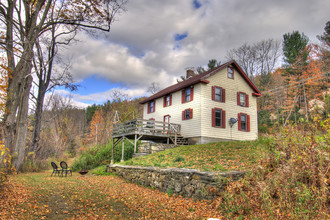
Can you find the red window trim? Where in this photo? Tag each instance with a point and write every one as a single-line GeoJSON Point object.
{"type": "Point", "coordinates": [183, 94]}
{"type": "Point", "coordinates": [223, 118]}
{"type": "Point", "coordinates": [148, 110]}
{"type": "Point", "coordinates": [223, 94]}
{"type": "Point", "coordinates": [239, 99]}
{"type": "Point", "coordinates": [184, 114]}
{"type": "Point", "coordinates": [247, 122]}
{"type": "Point", "coordinates": [164, 100]}
{"type": "Point", "coordinates": [152, 119]}
{"type": "Point", "coordinates": [228, 72]}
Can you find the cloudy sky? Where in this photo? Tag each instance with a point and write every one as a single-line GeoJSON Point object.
{"type": "Point", "coordinates": [155, 40]}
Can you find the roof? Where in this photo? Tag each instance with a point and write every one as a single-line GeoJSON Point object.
{"type": "Point", "coordinates": [202, 78]}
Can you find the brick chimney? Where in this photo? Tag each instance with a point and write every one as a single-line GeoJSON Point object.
{"type": "Point", "coordinates": [190, 73]}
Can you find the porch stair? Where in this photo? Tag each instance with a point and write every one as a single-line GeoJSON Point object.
{"type": "Point", "coordinates": [180, 140]}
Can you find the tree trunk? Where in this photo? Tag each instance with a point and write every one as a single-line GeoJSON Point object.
{"type": "Point", "coordinates": [22, 125]}
{"type": "Point", "coordinates": [38, 118]}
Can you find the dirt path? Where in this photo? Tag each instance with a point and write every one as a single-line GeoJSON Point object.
{"type": "Point", "coordinates": [39, 196]}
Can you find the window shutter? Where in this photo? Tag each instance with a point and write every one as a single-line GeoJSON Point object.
{"type": "Point", "coordinates": [148, 110]}
{"type": "Point", "coordinates": [183, 96]}
{"type": "Point", "coordinates": [164, 101]}
{"type": "Point", "coordinates": [154, 105]}
{"type": "Point", "coordinates": [183, 115]}
{"type": "Point", "coordinates": [191, 93]}
{"type": "Point", "coordinates": [247, 100]}
{"type": "Point", "coordinates": [223, 95]}
{"type": "Point", "coordinates": [191, 113]}
{"type": "Point", "coordinates": [233, 73]}
{"type": "Point", "coordinates": [223, 119]}
{"type": "Point", "coordinates": [248, 122]}
{"type": "Point", "coordinates": [239, 121]}
{"type": "Point", "coordinates": [238, 100]}
{"type": "Point", "coordinates": [213, 93]}
{"type": "Point", "coordinates": [213, 117]}
{"type": "Point", "coordinates": [170, 99]}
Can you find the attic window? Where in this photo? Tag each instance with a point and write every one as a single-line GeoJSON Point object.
{"type": "Point", "coordinates": [230, 72]}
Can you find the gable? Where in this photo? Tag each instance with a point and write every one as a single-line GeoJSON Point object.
{"type": "Point", "coordinates": [202, 78]}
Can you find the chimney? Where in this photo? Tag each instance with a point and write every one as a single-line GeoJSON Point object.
{"type": "Point", "coordinates": [190, 73]}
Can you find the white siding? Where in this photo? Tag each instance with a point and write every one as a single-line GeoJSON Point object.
{"type": "Point", "coordinates": [189, 128]}
{"type": "Point", "coordinates": [200, 125]}
{"type": "Point", "coordinates": [232, 86]}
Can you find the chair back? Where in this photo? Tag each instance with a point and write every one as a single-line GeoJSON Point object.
{"type": "Point", "coordinates": [64, 165]}
{"type": "Point", "coordinates": [54, 165]}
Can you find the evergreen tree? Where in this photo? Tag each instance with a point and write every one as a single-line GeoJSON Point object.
{"type": "Point", "coordinates": [294, 46]}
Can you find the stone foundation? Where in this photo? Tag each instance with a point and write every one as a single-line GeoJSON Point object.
{"type": "Point", "coordinates": [185, 182]}
{"type": "Point", "coordinates": [150, 148]}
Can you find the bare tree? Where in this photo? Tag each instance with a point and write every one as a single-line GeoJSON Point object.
{"type": "Point", "coordinates": [154, 88]}
{"type": "Point", "coordinates": [257, 59]}
{"type": "Point", "coordinates": [25, 22]}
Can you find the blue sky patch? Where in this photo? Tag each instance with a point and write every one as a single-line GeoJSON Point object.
{"type": "Point", "coordinates": [178, 37]}
{"type": "Point", "coordinates": [197, 4]}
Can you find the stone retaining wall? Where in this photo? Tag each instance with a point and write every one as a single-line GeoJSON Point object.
{"type": "Point", "coordinates": [185, 182]}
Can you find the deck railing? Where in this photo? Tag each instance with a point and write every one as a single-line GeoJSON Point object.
{"type": "Point", "coordinates": [143, 126]}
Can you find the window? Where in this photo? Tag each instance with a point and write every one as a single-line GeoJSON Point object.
{"type": "Point", "coordinates": [187, 114]}
{"type": "Point", "coordinates": [187, 94]}
{"type": "Point", "coordinates": [243, 122]}
{"type": "Point", "coordinates": [243, 99]}
{"type": "Point", "coordinates": [151, 107]}
{"type": "Point", "coordinates": [218, 118]}
{"type": "Point", "coordinates": [230, 72]}
{"type": "Point", "coordinates": [167, 100]}
{"type": "Point", "coordinates": [151, 123]}
{"type": "Point", "coordinates": [218, 94]}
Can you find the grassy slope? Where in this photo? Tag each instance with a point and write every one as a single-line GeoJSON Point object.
{"type": "Point", "coordinates": [222, 156]}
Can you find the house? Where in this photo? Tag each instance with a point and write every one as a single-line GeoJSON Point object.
{"type": "Point", "coordinates": [217, 105]}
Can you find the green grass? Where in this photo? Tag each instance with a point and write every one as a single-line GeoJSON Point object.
{"type": "Point", "coordinates": [221, 156]}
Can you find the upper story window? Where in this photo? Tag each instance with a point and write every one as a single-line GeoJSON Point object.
{"type": "Point", "coordinates": [218, 118]}
{"type": "Point", "coordinates": [187, 114]}
{"type": "Point", "coordinates": [218, 94]}
{"type": "Point", "coordinates": [243, 99]}
{"type": "Point", "coordinates": [230, 72]}
{"type": "Point", "coordinates": [243, 122]}
{"type": "Point", "coordinates": [151, 107]}
{"type": "Point", "coordinates": [187, 94]}
{"type": "Point", "coordinates": [167, 100]}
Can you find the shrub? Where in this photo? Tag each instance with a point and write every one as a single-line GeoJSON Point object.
{"type": "Point", "coordinates": [291, 182]}
{"type": "Point", "coordinates": [101, 155]}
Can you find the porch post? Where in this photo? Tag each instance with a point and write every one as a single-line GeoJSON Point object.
{"type": "Point", "coordinates": [135, 143]}
{"type": "Point", "coordinates": [112, 160]}
{"type": "Point", "coordinates": [122, 149]}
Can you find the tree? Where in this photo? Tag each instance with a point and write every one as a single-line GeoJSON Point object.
{"type": "Point", "coordinates": [294, 46]}
{"type": "Point", "coordinates": [25, 22]}
{"type": "Point", "coordinates": [257, 59]}
{"type": "Point", "coordinates": [154, 88]}
{"type": "Point", "coordinates": [325, 47]}
{"type": "Point", "coordinates": [211, 64]}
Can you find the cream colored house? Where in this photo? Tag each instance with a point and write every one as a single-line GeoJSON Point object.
{"type": "Point", "coordinates": [217, 105]}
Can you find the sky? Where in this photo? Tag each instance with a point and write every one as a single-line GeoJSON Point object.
{"type": "Point", "coordinates": [156, 40]}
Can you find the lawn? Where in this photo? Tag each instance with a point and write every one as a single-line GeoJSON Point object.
{"type": "Point", "coordinates": [222, 156]}
{"type": "Point", "coordinates": [40, 196]}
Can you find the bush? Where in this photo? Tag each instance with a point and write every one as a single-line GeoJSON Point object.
{"type": "Point", "coordinates": [101, 155]}
{"type": "Point", "coordinates": [292, 182]}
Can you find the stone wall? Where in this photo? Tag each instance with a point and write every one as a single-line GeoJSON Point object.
{"type": "Point", "coordinates": [185, 182]}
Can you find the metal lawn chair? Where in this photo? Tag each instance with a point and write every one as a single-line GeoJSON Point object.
{"type": "Point", "coordinates": [55, 169]}
{"type": "Point", "coordinates": [65, 168]}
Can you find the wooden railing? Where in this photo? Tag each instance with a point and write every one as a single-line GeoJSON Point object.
{"type": "Point", "coordinates": [143, 126]}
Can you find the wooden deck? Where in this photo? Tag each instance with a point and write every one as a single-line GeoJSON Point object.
{"type": "Point", "coordinates": [146, 129]}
